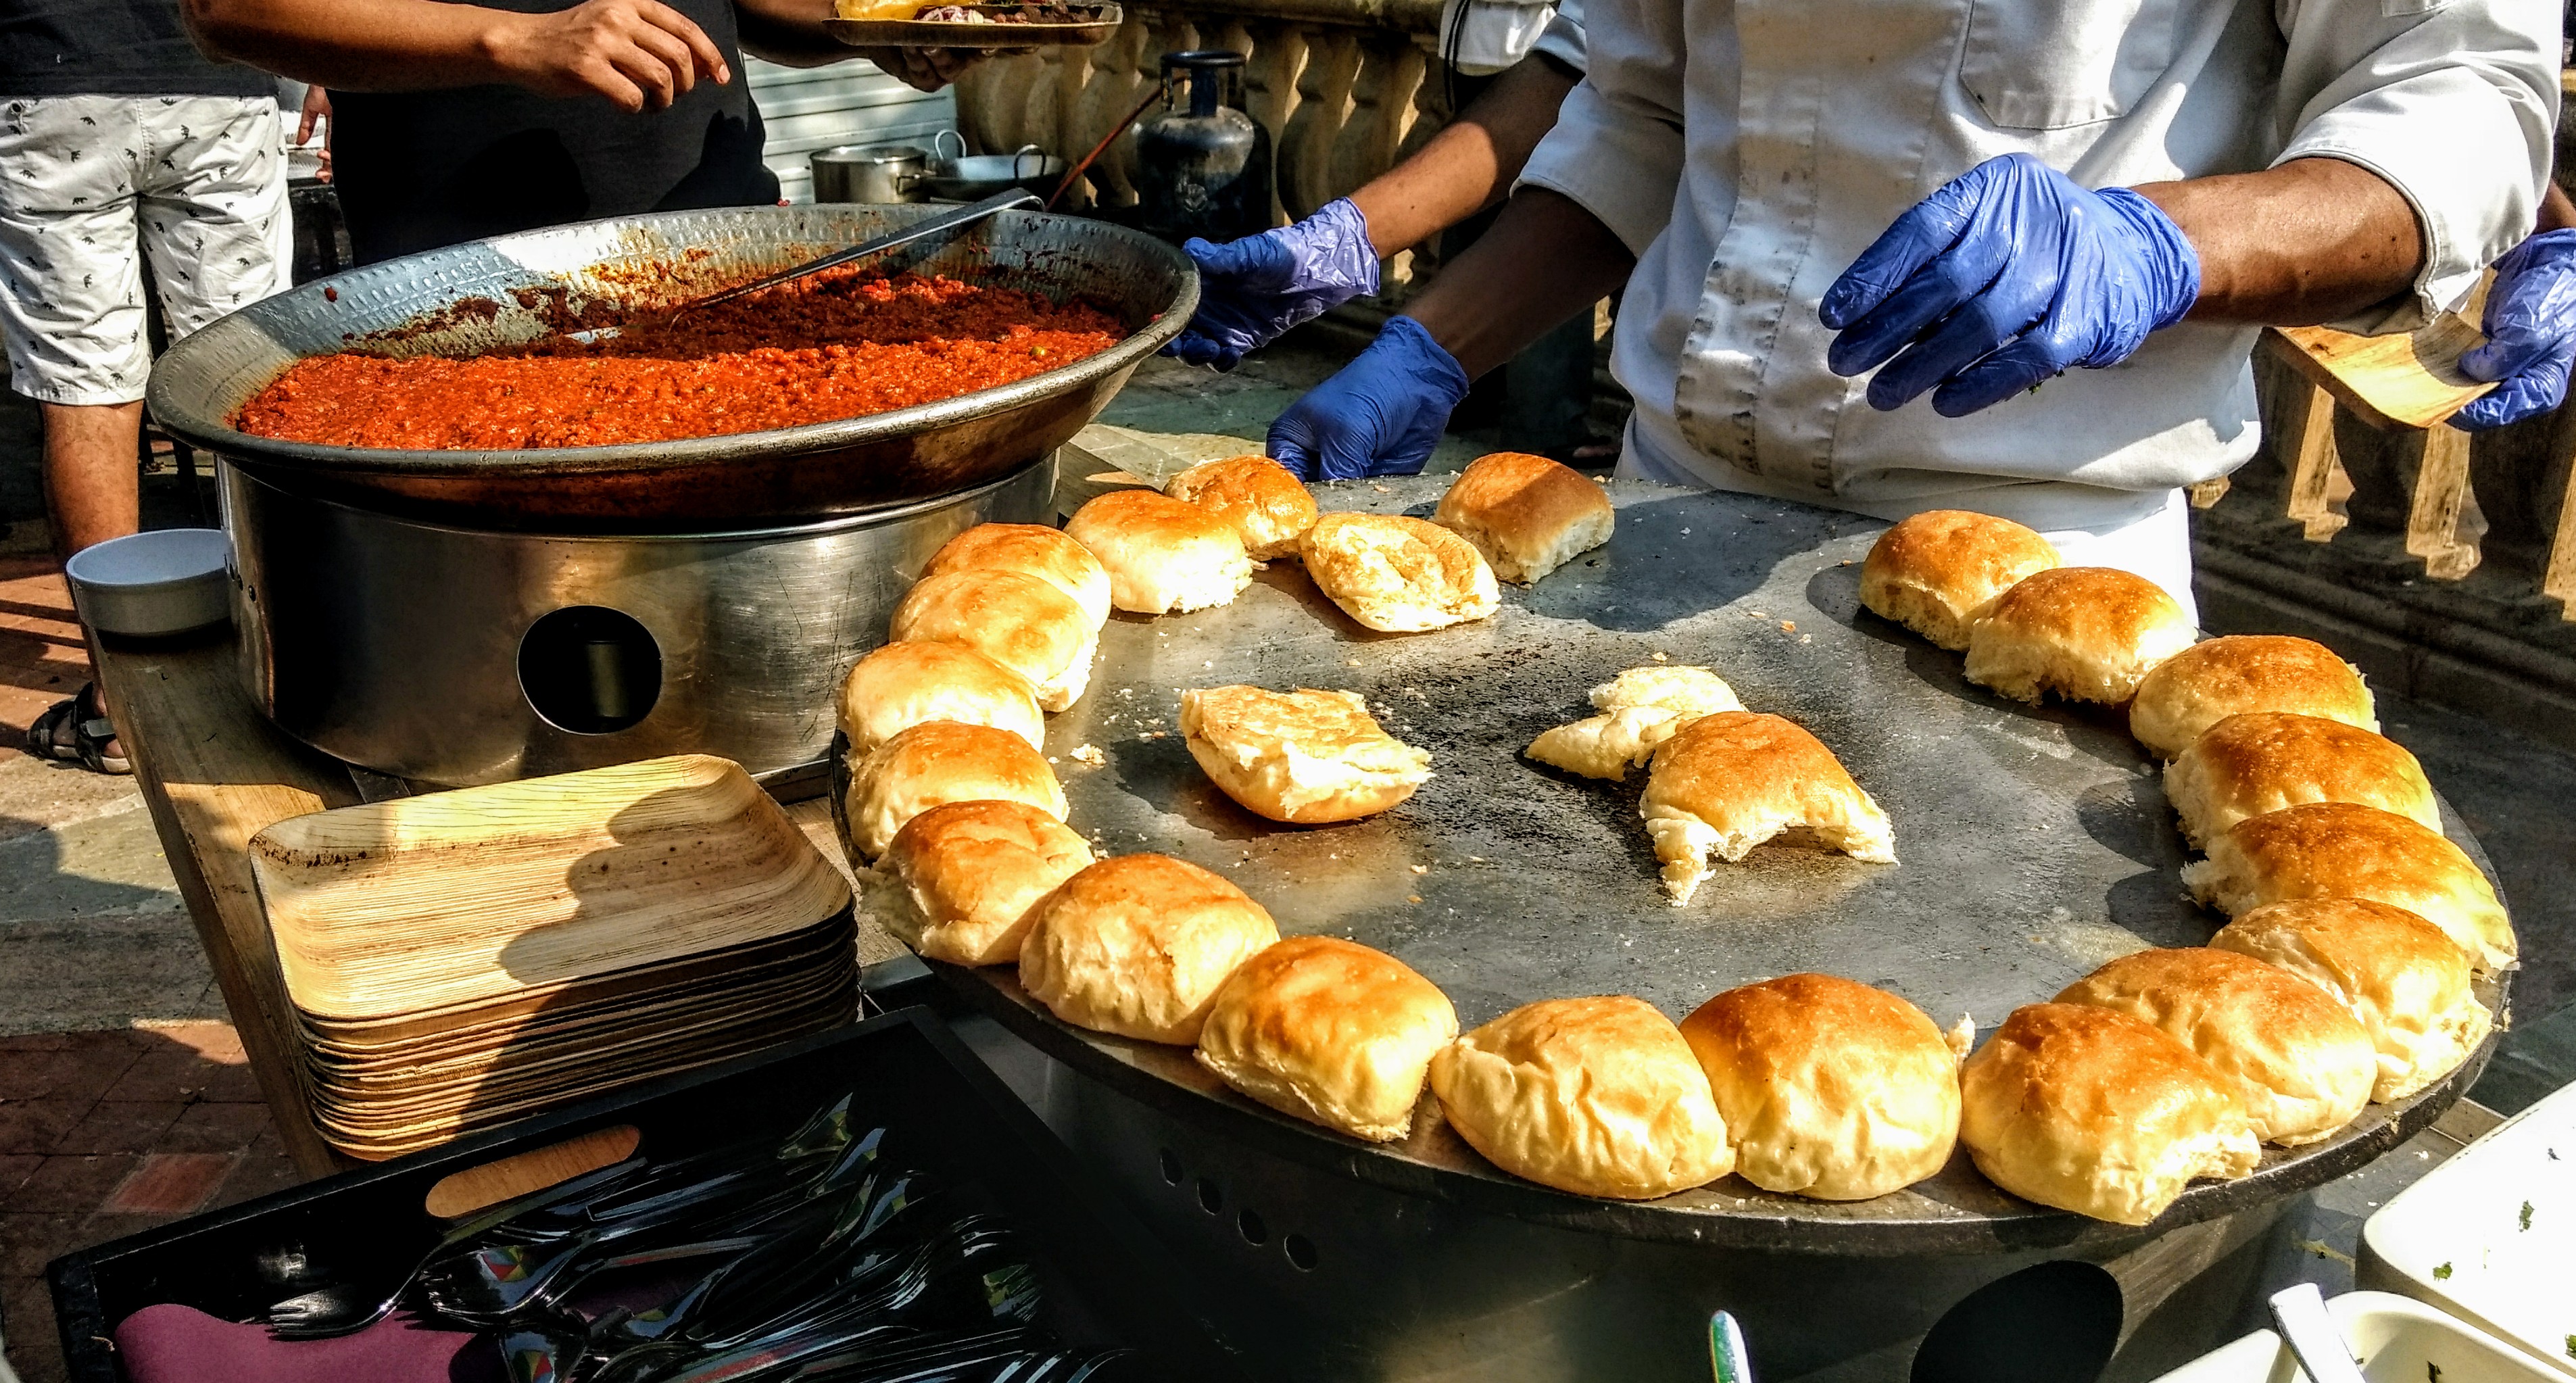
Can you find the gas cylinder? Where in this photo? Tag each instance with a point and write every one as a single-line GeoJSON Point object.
{"type": "Point", "coordinates": [1202, 164]}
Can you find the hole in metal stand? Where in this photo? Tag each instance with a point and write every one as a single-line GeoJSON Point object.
{"type": "Point", "coordinates": [1171, 1167]}
{"type": "Point", "coordinates": [1300, 1251]}
{"type": "Point", "coordinates": [1254, 1231]}
{"type": "Point", "coordinates": [2053, 1323]}
{"type": "Point", "coordinates": [1211, 1196]}
{"type": "Point", "coordinates": [590, 670]}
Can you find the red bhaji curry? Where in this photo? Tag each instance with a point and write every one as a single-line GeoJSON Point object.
{"type": "Point", "coordinates": [837, 345]}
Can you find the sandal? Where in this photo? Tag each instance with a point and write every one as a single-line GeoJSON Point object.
{"type": "Point", "coordinates": [91, 734]}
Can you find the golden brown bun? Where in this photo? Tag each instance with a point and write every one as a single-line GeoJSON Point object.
{"type": "Point", "coordinates": [1940, 571]}
{"type": "Point", "coordinates": [2302, 1064]}
{"type": "Point", "coordinates": [939, 762]}
{"type": "Point", "coordinates": [961, 883]}
{"type": "Point", "coordinates": [1640, 709]}
{"type": "Point", "coordinates": [1014, 619]}
{"type": "Point", "coordinates": [2345, 850]}
{"type": "Point", "coordinates": [2262, 761]}
{"type": "Point", "coordinates": [1139, 945]}
{"type": "Point", "coordinates": [1302, 756]}
{"type": "Point", "coordinates": [1687, 691]}
{"type": "Point", "coordinates": [2085, 633]}
{"type": "Point", "coordinates": [2405, 981]}
{"type": "Point", "coordinates": [1270, 508]}
{"type": "Point", "coordinates": [2208, 682]}
{"type": "Point", "coordinates": [1164, 555]}
{"type": "Point", "coordinates": [1599, 1096]}
{"type": "Point", "coordinates": [901, 685]}
{"type": "Point", "coordinates": [1031, 549]}
{"type": "Point", "coordinates": [1331, 1032]}
{"type": "Point", "coordinates": [1526, 514]}
{"type": "Point", "coordinates": [1829, 1088]}
{"type": "Point", "coordinates": [1730, 781]}
{"type": "Point", "coordinates": [1398, 575]}
{"type": "Point", "coordinates": [2100, 1113]}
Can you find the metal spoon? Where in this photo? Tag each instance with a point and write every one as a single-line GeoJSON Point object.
{"type": "Point", "coordinates": [940, 224]}
{"type": "Point", "coordinates": [2314, 1338]}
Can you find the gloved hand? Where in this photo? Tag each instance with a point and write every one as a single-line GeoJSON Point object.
{"type": "Point", "coordinates": [2531, 333]}
{"type": "Point", "coordinates": [2008, 276]}
{"type": "Point", "coordinates": [1381, 415]}
{"type": "Point", "coordinates": [1251, 290]}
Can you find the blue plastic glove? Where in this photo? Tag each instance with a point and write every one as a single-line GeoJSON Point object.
{"type": "Point", "coordinates": [1251, 290]}
{"type": "Point", "coordinates": [1381, 415]}
{"type": "Point", "coordinates": [2008, 276]}
{"type": "Point", "coordinates": [2531, 333]}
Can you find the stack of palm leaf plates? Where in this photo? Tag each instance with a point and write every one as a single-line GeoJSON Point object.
{"type": "Point", "coordinates": [462, 959]}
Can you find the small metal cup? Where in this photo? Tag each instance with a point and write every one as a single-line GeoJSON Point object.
{"type": "Point", "coordinates": [869, 173]}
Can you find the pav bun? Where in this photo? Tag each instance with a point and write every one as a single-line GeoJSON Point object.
{"type": "Point", "coordinates": [1163, 555]}
{"type": "Point", "coordinates": [1013, 618]}
{"type": "Point", "coordinates": [1940, 571]}
{"type": "Point", "coordinates": [2345, 850]}
{"type": "Point", "coordinates": [1527, 515]}
{"type": "Point", "coordinates": [1597, 1096]}
{"type": "Point", "coordinates": [1270, 508]}
{"type": "Point", "coordinates": [1137, 946]}
{"type": "Point", "coordinates": [2084, 633]}
{"type": "Point", "coordinates": [2093, 1111]}
{"type": "Point", "coordinates": [1307, 757]}
{"type": "Point", "coordinates": [1031, 549]}
{"type": "Point", "coordinates": [2236, 673]}
{"type": "Point", "coordinates": [1331, 1032]}
{"type": "Point", "coordinates": [1829, 1088]}
{"type": "Point", "coordinates": [1728, 782]}
{"type": "Point", "coordinates": [2262, 761]}
{"type": "Point", "coordinates": [961, 882]}
{"type": "Point", "coordinates": [1398, 575]}
{"type": "Point", "coordinates": [2407, 982]}
{"type": "Point", "coordinates": [901, 685]}
{"type": "Point", "coordinates": [936, 763]}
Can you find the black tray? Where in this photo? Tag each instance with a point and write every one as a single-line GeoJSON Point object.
{"type": "Point", "coordinates": [1104, 1282]}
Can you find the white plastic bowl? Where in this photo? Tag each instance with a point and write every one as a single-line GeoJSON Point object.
{"type": "Point", "coordinates": [2490, 1235]}
{"type": "Point", "coordinates": [2400, 1341]}
{"type": "Point", "coordinates": [167, 581]}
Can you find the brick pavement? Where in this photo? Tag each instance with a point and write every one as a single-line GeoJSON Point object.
{"type": "Point", "coordinates": [41, 656]}
{"type": "Point", "coordinates": [105, 1134]}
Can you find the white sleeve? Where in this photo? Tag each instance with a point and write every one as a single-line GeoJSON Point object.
{"type": "Point", "coordinates": [2452, 102]}
{"type": "Point", "coordinates": [1617, 147]}
{"type": "Point", "coordinates": [1563, 40]}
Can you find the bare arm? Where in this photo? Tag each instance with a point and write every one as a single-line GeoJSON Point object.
{"type": "Point", "coordinates": [1471, 164]}
{"type": "Point", "coordinates": [638, 54]}
{"type": "Point", "coordinates": [2314, 240]}
{"type": "Point", "coordinates": [1545, 260]}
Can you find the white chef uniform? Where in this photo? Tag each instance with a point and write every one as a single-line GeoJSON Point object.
{"type": "Point", "coordinates": [1483, 37]}
{"type": "Point", "coordinates": [1748, 150]}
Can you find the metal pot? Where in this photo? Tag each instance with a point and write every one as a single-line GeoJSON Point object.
{"type": "Point", "coordinates": [463, 656]}
{"type": "Point", "coordinates": [970, 178]}
{"type": "Point", "coordinates": [706, 484]}
{"type": "Point", "coordinates": [869, 173]}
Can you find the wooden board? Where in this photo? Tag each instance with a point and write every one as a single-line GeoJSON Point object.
{"type": "Point", "coordinates": [2392, 382]}
{"type": "Point", "coordinates": [1095, 26]}
{"type": "Point", "coordinates": [458, 897]}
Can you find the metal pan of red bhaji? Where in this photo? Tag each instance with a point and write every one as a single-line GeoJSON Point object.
{"type": "Point", "coordinates": [472, 384]}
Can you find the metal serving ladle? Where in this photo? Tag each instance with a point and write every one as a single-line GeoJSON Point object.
{"type": "Point", "coordinates": [940, 224]}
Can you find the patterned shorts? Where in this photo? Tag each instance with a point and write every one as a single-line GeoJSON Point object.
{"type": "Point", "coordinates": [91, 184]}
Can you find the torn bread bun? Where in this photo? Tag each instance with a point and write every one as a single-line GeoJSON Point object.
{"type": "Point", "coordinates": [961, 882]}
{"type": "Point", "coordinates": [2303, 1066]}
{"type": "Point", "coordinates": [1685, 690]}
{"type": "Point", "coordinates": [1270, 508]}
{"type": "Point", "coordinates": [2096, 1112]}
{"type": "Point", "coordinates": [1829, 1088]}
{"type": "Point", "coordinates": [2407, 982]}
{"type": "Point", "coordinates": [1940, 571]}
{"type": "Point", "coordinates": [1331, 1032]}
{"type": "Point", "coordinates": [2262, 761]}
{"type": "Point", "coordinates": [901, 685]}
{"type": "Point", "coordinates": [1138, 946]}
{"type": "Point", "coordinates": [1527, 515]}
{"type": "Point", "coordinates": [1640, 709]}
{"type": "Point", "coordinates": [936, 763]}
{"type": "Point", "coordinates": [1304, 756]}
{"type": "Point", "coordinates": [1597, 1096]}
{"type": "Point", "coordinates": [2085, 633]}
{"type": "Point", "coordinates": [1398, 575]}
{"type": "Point", "coordinates": [1728, 782]}
{"type": "Point", "coordinates": [1031, 549]}
{"type": "Point", "coordinates": [1015, 619]}
{"type": "Point", "coordinates": [2236, 673]}
{"type": "Point", "coordinates": [1163, 555]}
{"type": "Point", "coordinates": [2346, 850]}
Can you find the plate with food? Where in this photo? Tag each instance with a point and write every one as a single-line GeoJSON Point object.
{"type": "Point", "coordinates": [917, 24]}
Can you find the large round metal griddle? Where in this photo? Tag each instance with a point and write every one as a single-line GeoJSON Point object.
{"type": "Point", "coordinates": [516, 286]}
{"type": "Point", "coordinates": [2036, 844]}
